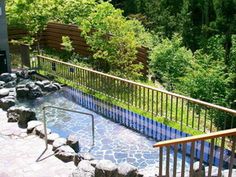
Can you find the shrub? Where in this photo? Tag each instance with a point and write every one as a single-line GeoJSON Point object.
{"type": "Point", "coordinates": [169, 61]}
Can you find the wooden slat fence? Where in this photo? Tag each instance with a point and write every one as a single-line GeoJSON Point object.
{"type": "Point", "coordinates": [52, 37]}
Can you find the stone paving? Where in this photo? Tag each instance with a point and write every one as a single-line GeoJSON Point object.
{"type": "Point", "coordinates": [19, 153]}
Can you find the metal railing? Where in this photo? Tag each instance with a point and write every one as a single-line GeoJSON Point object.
{"type": "Point", "coordinates": [213, 152]}
{"type": "Point", "coordinates": [68, 110]}
{"type": "Point", "coordinates": [182, 110]}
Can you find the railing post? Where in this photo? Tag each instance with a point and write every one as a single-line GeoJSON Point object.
{"type": "Point", "coordinates": [45, 128]}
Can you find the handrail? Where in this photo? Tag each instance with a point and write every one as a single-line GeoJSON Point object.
{"type": "Point", "coordinates": [64, 109]}
{"type": "Point", "coordinates": [210, 105]}
{"type": "Point", "coordinates": [202, 137]}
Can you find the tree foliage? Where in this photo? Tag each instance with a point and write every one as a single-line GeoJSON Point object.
{"type": "Point", "coordinates": [169, 61]}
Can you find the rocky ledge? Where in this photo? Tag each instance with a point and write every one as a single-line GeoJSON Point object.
{"type": "Point", "coordinates": [11, 88]}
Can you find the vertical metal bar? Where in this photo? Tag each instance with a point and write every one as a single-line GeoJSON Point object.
{"type": "Point", "coordinates": [183, 160]}
{"type": "Point", "coordinates": [144, 97]}
{"type": "Point", "coordinates": [193, 113]}
{"type": "Point", "coordinates": [171, 106]}
{"type": "Point", "coordinates": [182, 114]}
{"type": "Point", "coordinates": [192, 157]}
{"type": "Point", "coordinates": [211, 118]}
{"type": "Point", "coordinates": [199, 117]}
{"type": "Point", "coordinates": [136, 96]}
{"type": "Point", "coordinates": [148, 100]}
{"type": "Point", "coordinates": [168, 161]}
{"type": "Point", "coordinates": [45, 128]}
{"type": "Point", "coordinates": [152, 102]}
{"type": "Point", "coordinates": [231, 164]}
{"type": "Point", "coordinates": [187, 112]}
{"type": "Point", "coordinates": [160, 161]}
{"type": "Point", "coordinates": [221, 156]}
{"type": "Point", "coordinates": [161, 103]}
{"type": "Point", "coordinates": [176, 109]}
{"type": "Point", "coordinates": [157, 102]}
{"type": "Point", "coordinates": [201, 157]}
{"type": "Point", "coordinates": [211, 157]}
{"type": "Point", "coordinates": [205, 118]}
{"type": "Point", "coordinates": [175, 160]}
{"type": "Point", "coordinates": [140, 96]}
{"type": "Point", "coordinates": [166, 106]}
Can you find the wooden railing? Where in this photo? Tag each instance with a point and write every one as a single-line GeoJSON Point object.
{"type": "Point", "coordinates": [191, 142]}
{"type": "Point", "coordinates": [182, 110]}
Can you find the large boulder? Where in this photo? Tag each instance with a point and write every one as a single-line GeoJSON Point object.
{"type": "Point", "coordinates": [6, 103]}
{"type": "Point", "coordinates": [41, 132]}
{"type": "Point", "coordinates": [7, 77]}
{"type": "Point", "coordinates": [50, 88]}
{"type": "Point", "coordinates": [10, 84]}
{"type": "Point", "coordinates": [84, 170]}
{"type": "Point", "coordinates": [40, 84]}
{"type": "Point", "coordinates": [4, 92]}
{"type": "Point", "coordinates": [22, 92]}
{"type": "Point", "coordinates": [20, 114]}
{"type": "Point", "coordinates": [106, 168]}
{"type": "Point", "coordinates": [65, 153]}
{"type": "Point", "coordinates": [31, 125]}
{"type": "Point", "coordinates": [58, 143]}
{"type": "Point", "coordinates": [52, 137]}
{"type": "Point", "coordinates": [127, 170]}
{"type": "Point", "coordinates": [35, 92]}
{"type": "Point", "coordinates": [73, 142]}
{"type": "Point", "coordinates": [86, 156]}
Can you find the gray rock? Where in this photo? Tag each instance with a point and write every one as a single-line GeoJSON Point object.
{"type": "Point", "coordinates": [93, 162]}
{"type": "Point", "coordinates": [73, 142]}
{"type": "Point", "coordinates": [22, 92]}
{"type": "Point", "coordinates": [50, 88]}
{"type": "Point", "coordinates": [127, 170]}
{"type": "Point", "coordinates": [22, 114]}
{"type": "Point", "coordinates": [197, 172]}
{"type": "Point", "coordinates": [2, 84]}
{"type": "Point", "coordinates": [4, 92]}
{"type": "Point", "coordinates": [52, 137]}
{"type": "Point", "coordinates": [76, 160]}
{"type": "Point", "coordinates": [10, 84]}
{"type": "Point", "coordinates": [30, 85]}
{"type": "Point", "coordinates": [45, 82]}
{"type": "Point", "coordinates": [35, 92]}
{"type": "Point", "coordinates": [86, 156]}
{"type": "Point", "coordinates": [214, 171]}
{"type": "Point", "coordinates": [20, 86]}
{"type": "Point", "coordinates": [225, 173]}
{"type": "Point", "coordinates": [6, 103]}
{"type": "Point", "coordinates": [31, 125]}
{"type": "Point", "coordinates": [65, 153]}
{"type": "Point", "coordinates": [40, 84]}
{"type": "Point", "coordinates": [105, 168]}
{"type": "Point", "coordinates": [84, 170]}
{"type": "Point", "coordinates": [6, 77]}
{"type": "Point", "coordinates": [58, 142]}
{"type": "Point", "coordinates": [39, 130]}
{"type": "Point", "coordinates": [57, 85]}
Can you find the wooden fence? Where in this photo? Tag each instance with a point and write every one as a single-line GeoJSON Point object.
{"type": "Point", "coordinates": [52, 37]}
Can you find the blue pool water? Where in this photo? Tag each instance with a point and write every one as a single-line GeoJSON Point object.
{"type": "Point", "coordinates": [112, 140]}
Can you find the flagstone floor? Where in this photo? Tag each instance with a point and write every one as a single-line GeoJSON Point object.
{"type": "Point", "coordinates": [20, 154]}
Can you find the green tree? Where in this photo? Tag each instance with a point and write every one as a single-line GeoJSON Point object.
{"type": "Point", "coordinates": [114, 39]}
{"type": "Point", "coordinates": [169, 61]}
